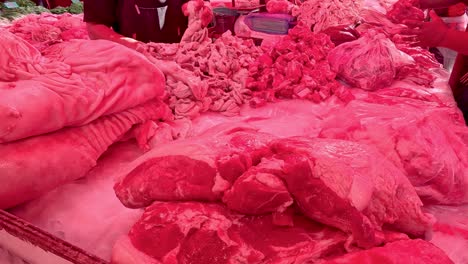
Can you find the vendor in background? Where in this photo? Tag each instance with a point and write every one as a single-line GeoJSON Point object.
{"type": "Point", "coordinates": [436, 33]}
{"type": "Point", "coordinates": [129, 22]}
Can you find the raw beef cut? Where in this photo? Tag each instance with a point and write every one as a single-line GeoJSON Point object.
{"type": "Point", "coordinates": [369, 63]}
{"type": "Point", "coordinates": [71, 211]}
{"type": "Point", "coordinates": [73, 91]}
{"type": "Point", "coordinates": [350, 186]}
{"type": "Point", "coordinates": [33, 166]}
{"type": "Point", "coordinates": [419, 137]}
{"type": "Point", "coordinates": [406, 251]}
{"type": "Point", "coordinates": [208, 233]}
{"type": "Point", "coordinates": [193, 169]}
{"type": "Point", "coordinates": [258, 191]}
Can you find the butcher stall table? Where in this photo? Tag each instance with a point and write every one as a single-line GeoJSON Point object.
{"type": "Point", "coordinates": [328, 143]}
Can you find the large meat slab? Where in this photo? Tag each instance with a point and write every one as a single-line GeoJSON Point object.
{"type": "Point", "coordinates": [207, 233]}
{"type": "Point", "coordinates": [73, 84]}
{"type": "Point", "coordinates": [33, 166]}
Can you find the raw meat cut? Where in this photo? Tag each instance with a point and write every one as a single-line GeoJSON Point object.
{"type": "Point", "coordinates": [419, 137]}
{"type": "Point", "coordinates": [405, 10]}
{"type": "Point", "coordinates": [296, 67]}
{"type": "Point", "coordinates": [280, 7]}
{"type": "Point", "coordinates": [64, 89]}
{"type": "Point", "coordinates": [174, 235]}
{"type": "Point", "coordinates": [405, 251]}
{"type": "Point", "coordinates": [321, 15]}
{"type": "Point", "coordinates": [47, 29]}
{"type": "Point", "coordinates": [416, 74]}
{"type": "Point", "coordinates": [20, 60]}
{"type": "Point", "coordinates": [377, 21]}
{"type": "Point", "coordinates": [258, 191]}
{"type": "Point", "coordinates": [341, 34]}
{"type": "Point", "coordinates": [350, 186]}
{"type": "Point", "coordinates": [193, 169]}
{"type": "Point", "coordinates": [207, 76]}
{"type": "Point", "coordinates": [27, 171]}
{"type": "Point", "coordinates": [199, 15]}
{"type": "Point", "coordinates": [71, 212]}
{"type": "Point", "coordinates": [422, 56]}
{"type": "Point", "coordinates": [369, 63]}
{"type": "Point", "coordinates": [171, 233]}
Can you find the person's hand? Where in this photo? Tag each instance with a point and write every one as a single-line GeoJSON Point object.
{"type": "Point", "coordinates": [427, 34]}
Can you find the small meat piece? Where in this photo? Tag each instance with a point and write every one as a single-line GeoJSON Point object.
{"type": "Point", "coordinates": [341, 34]}
{"type": "Point", "coordinates": [194, 169]}
{"type": "Point", "coordinates": [258, 191]}
{"type": "Point", "coordinates": [279, 6]}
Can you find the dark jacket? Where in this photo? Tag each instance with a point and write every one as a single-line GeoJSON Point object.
{"type": "Point", "coordinates": [139, 19]}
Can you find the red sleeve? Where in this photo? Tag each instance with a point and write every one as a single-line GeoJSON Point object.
{"type": "Point", "coordinates": [100, 11]}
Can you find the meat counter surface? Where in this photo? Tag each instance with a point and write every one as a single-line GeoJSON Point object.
{"type": "Point", "coordinates": [289, 151]}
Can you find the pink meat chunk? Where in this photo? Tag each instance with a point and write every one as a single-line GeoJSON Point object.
{"type": "Point", "coordinates": [208, 233]}
{"type": "Point", "coordinates": [258, 191]}
{"type": "Point", "coordinates": [162, 179]}
{"type": "Point", "coordinates": [211, 163]}
{"type": "Point", "coordinates": [350, 186]}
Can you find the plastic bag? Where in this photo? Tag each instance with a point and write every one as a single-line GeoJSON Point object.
{"type": "Point", "coordinates": [416, 136]}
{"type": "Point", "coordinates": [369, 63]}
